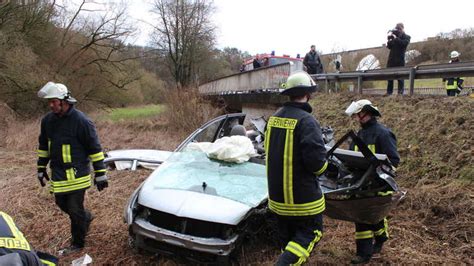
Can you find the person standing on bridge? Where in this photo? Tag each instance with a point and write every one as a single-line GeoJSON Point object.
{"type": "Point", "coordinates": [68, 141]}
{"type": "Point", "coordinates": [397, 42]}
{"type": "Point", "coordinates": [312, 62]}
{"type": "Point", "coordinates": [256, 62]}
{"type": "Point", "coordinates": [295, 156]}
{"type": "Point", "coordinates": [379, 139]}
{"type": "Point", "coordinates": [453, 85]}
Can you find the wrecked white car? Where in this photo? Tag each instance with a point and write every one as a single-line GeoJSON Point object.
{"type": "Point", "coordinates": [194, 203]}
{"type": "Point", "coordinates": [202, 208]}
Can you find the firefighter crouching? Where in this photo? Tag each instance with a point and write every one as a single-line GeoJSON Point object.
{"type": "Point", "coordinates": [295, 156]}
{"type": "Point", "coordinates": [68, 142]}
{"type": "Point", "coordinates": [381, 140]}
{"type": "Point", "coordinates": [15, 249]}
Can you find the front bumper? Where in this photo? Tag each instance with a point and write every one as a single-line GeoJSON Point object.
{"type": "Point", "coordinates": [215, 246]}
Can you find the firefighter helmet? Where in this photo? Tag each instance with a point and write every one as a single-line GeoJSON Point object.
{"type": "Point", "coordinates": [454, 54]}
{"type": "Point", "coordinates": [298, 84]}
{"type": "Point", "coordinates": [54, 90]}
{"type": "Point", "coordinates": [362, 105]}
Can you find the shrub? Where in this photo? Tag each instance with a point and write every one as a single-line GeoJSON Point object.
{"type": "Point", "coordinates": [187, 110]}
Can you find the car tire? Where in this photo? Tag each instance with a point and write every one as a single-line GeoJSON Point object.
{"type": "Point", "coordinates": [223, 260]}
{"type": "Point", "coordinates": [132, 243]}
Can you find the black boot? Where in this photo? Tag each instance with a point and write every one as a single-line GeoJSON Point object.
{"type": "Point", "coordinates": [378, 244]}
{"type": "Point", "coordinates": [360, 259]}
{"type": "Point", "coordinates": [69, 250]}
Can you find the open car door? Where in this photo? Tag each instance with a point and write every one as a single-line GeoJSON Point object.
{"type": "Point", "coordinates": [354, 194]}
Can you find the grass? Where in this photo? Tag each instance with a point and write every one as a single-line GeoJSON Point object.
{"type": "Point", "coordinates": [132, 113]}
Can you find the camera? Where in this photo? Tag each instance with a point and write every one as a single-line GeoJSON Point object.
{"type": "Point", "coordinates": [392, 33]}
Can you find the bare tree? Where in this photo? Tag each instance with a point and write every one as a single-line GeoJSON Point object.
{"type": "Point", "coordinates": [95, 55]}
{"type": "Point", "coordinates": [185, 35]}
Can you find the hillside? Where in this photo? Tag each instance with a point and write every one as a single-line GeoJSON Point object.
{"type": "Point", "coordinates": [433, 224]}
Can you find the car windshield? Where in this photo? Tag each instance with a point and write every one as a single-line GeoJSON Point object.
{"type": "Point", "coordinates": [189, 170]}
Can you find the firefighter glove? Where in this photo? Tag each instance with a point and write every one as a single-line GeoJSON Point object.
{"type": "Point", "coordinates": [100, 181]}
{"type": "Point", "coordinates": [42, 175]}
{"type": "Point", "coordinates": [332, 171]}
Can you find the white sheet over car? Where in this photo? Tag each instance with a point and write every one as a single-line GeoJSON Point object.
{"type": "Point", "coordinates": [234, 149]}
{"type": "Point", "coordinates": [231, 189]}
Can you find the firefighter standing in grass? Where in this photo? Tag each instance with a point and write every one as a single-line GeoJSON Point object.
{"type": "Point", "coordinates": [69, 142]}
{"type": "Point", "coordinates": [15, 249]}
{"type": "Point", "coordinates": [453, 85]}
{"type": "Point", "coordinates": [295, 156]}
{"type": "Point", "coordinates": [381, 140]}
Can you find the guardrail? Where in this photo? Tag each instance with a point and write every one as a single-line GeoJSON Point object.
{"type": "Point", "coordinates": [421, 91]}
{"type": "Point", "coordinates": [462, 69]}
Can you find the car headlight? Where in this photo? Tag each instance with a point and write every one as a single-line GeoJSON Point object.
{"type": "Point", "coordinates": [131, 207]}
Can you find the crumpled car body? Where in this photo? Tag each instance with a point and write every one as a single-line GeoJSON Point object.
{"type": "Point", "coordinates": [202, 209]}
{"type": "Point", "coordinates": [194, 206]}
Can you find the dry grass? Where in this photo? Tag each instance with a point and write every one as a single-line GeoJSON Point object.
{"type": "Point", "coordinates": [434, 224]}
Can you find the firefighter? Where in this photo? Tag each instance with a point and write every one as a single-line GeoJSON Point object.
{"type": "Point", "coordinates": [295, 156]}
{"type": "Point", "coordinates": [15, 249]}
{"type": "Point", "coordinates": [453, 85]}
{"type": "Point", "coordinates": [379, 139]}
{"type": "Point", "coordinates": [68, 141]}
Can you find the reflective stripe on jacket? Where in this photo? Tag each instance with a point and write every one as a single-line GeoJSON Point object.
{"type": "Point", "coordinates": [69, 143]}
{"type": "Point", "coordinates": [10, 236]}
{"type": "Point", "coordinates": [379, 139]}
{"type": "Point", "coordinates": [295, 155]}
{"type": "Point", "coordinates": [453, 83]}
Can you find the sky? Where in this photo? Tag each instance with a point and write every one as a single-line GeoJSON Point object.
{"type": "Point", "coordinates": [290, 27]}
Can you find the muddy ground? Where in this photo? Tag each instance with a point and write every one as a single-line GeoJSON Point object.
{"type": "Point", "coordinates": [434, 224]}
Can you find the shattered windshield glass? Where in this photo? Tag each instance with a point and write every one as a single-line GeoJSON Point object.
{"type": "Point", "coordinates": [193, 170]}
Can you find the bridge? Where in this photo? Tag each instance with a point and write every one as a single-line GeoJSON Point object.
{"type": "Point", "coordinates": [256, 92]}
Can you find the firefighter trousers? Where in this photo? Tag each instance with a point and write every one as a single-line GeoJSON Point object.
{"type": "Point", "coordinates": [368, 235]}
{"type": "Point", "coordinates": [298, 236]}
{"type": "Point", "coordinates": [73, 205]}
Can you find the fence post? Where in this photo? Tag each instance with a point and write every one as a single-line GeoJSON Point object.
{"type": "Point", "coordinates": [359, 84]}
{"type": "Point", "coordinates": [326, 84]}
{"type": "Point", "coordinates": [412, 80]}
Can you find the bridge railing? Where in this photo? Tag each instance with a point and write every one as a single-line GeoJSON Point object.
{"type": "Point", "coordinates": [462, 69]}
{"type": "Point", "coordinates": [259, 80]}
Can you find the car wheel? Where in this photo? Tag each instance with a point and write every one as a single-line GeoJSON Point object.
{"type": "Point", "coordinates": [132, 243]}
{"type": "Point", "coordinates": [223, 260]}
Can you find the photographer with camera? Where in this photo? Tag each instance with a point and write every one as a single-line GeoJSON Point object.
{"type": "Point", "coordinates": [397, 42]}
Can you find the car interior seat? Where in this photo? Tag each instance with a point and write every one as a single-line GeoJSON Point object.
{"type": "Point", "coordinates": [238, 130]}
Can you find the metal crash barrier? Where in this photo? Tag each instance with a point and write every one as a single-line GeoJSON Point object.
{"type": "Point", "coordinates": [461, 69]}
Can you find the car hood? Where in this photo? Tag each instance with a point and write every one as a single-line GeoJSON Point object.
{"type": "Point", "coordinates": [189, 184]}
{"type": "Point", "coordinates": [193, 205]}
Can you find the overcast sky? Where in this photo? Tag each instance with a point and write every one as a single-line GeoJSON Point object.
{"type": "Point", "coordinates": [290, 27]}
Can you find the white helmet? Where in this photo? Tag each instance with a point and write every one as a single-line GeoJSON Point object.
{"type": "Point", "coordinates": [362, 105]}
{"type": "Point", "coordinates": [454, 54]}
{"type": "Point", "coordinates": [55, 91]}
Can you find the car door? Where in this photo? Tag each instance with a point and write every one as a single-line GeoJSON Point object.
{"type": "Point", "coordinates": [213, 129]}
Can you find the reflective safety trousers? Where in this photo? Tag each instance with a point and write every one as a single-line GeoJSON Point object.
{"type": "Point", "coordinates": [69, 143]}
{"type": "Point", "coordinates": [295, 155]}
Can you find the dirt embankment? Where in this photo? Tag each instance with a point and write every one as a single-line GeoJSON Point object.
{"type": "Point", "coordinates": [433, 224]}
